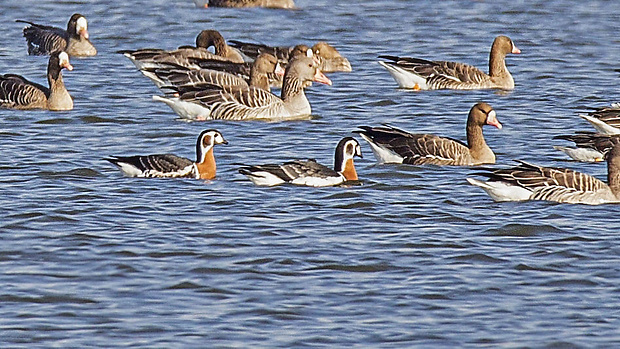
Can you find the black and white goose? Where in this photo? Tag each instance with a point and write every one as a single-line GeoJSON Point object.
{"type": "Point", "coordinates": [330, 60]}
{"type": "Point", "coordinates": [309, 172]}
{"type": "Point", "coordinates": [16, 92]}
{"type": "Point", "coordinates": [154, 58]}
{"type": "Point", "coordinates": [531, 182]}
{"type": "Point", "coordinates": [44, 40]}
{"type": "Point", "coordinates": [208, 102]}
{"type": "Point", "coordinates": [392, 145]}
{"type": "Point", "coordinates": [257, 76]}
{"type": "Point", "coordinates": [421, 74]}
{"type": "Point", "coordinates": [590, 146]}
{"type": "Point", "coordinates": [172, 166]}
{"type": "Point", "coordinates": [605, 120]}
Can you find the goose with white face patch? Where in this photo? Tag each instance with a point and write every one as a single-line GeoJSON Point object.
{"type": "Point", "coordinates": [392, 145]}
{"type": "Point", "coordinates": [212, 102]}
{"type": "Point", "coordinates": [173, 166]}
{"type": "Point", "coordinates": [16, 92]}
{"type": "Point", "coordinates": [157, 58]}
{"type": "Point", "coordinates": [44, 40]}
{"type": "Point", "coordinates": [531, 182]}
{"type": "Point", "coordinates": [309, 172]}
{"type": "Point", "coordinates": [421, 74]}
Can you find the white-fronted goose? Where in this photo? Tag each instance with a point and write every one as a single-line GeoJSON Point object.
{"type": "Point", "coordinates": [309, 172]}
{"type": "Point", "coordinates": [284, 4]}
{"type": "Point", "coordinates": [154, 58]}
{"type": "Point", "coordinates": [420, 74]}
{"type": "Point", "coordinates": [330, 60]}
{"type": "Point", "coordinates": [18, 93]}
{"type": "Point", "coordinates": [172, 166]}
{"type": "Point", "coordinates": [229, 103]}
{"type": "Point", "coordinates": [532, 182]}
{"type": "Point", "coordinates": [391, 145]}
{"type": "Point", "coordinates": [605, 120]}
{"type": "Point", "coordinates": [590, 146]}
{"type": "Point", "coordinates": [227, 73]}
{"type": "Point", "coordinates": [44, 40]}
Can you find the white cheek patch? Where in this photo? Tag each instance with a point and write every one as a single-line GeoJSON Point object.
{"type": "Point", "coordinates": [81, 25]}
{"type": "Point", "coordinates": [63, 59]}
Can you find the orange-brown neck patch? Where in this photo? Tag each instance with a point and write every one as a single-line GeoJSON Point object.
{"type": "Point", "coordinates": [349, 171]}
{"type": "Point", "coordinates": [206, 169]}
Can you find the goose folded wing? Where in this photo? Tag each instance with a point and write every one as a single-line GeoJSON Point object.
{"type": "Point", "coordinates": [16, 90]}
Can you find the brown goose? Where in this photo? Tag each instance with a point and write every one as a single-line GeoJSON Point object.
{"type": "Point", "coordinates": [43, 40]}
{"type": "Point", "coordinates": [420, 74]}
{"type": "Point", "coordinates": [173, 166]}
{"type": "Point", "coordinates": [285, 4]}
{"type": "Point", "coordinates": [605, 120]}
{"type": "Point", "coordinates": [391, 145]}
{"type": "Point", "coordinates": [330, 60]}
{"type": "Point", "coordinates": [258, 75]}
{"type": "Point", "coordinates": [532, 182]}
{"type": "Point", "coordinates": [590, 146]}
{"type": "Point", "coordinates": [18, 93]}
{"type": "Point", "coordinates": [154, 58]}
{"type": "Point", "coordinates": [207, 102]}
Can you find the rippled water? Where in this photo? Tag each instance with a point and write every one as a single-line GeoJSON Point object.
{"type": "Point", "coordinates": [415, 257]}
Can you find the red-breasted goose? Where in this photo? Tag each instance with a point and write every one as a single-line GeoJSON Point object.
{"type": "Point", "coordinates": [392, 145]}
{"type": "Point", "coordinates": [309, 172]}
{"type": "Point", "coordinates": [17, 92]}
{"type": "Point", "coordinates": [421, 74]}
{"type": "Point", "coordinates": [44, 40]}
{"type": "Point", "coordinates": [172, 166]}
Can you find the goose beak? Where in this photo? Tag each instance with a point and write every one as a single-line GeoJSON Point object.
{"type": "Point", "coordinates": [68, 66]}
{"type": "Point", "coordinates": [515, 49]}
{"type": "Point", "coordinates": [492, 120]}
{"type": "Point", "coordinates": [320, 77]}
{"type": "Point", "coordinates": [84, 33]}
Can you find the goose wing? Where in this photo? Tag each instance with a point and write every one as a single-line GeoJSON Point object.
{"type": "Point", "coordinates": [16, 91]}
{"type": "Point", "coordinates": [157, 165]}
{"type": "Point", "coordinates": [253, 50]}
{"type": "Point", "coordinates": [43, 39]}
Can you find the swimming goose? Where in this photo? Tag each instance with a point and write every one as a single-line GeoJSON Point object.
{"type": "Point", "coordinates": [391, 145]}
{"type": "Point", "coordinates": [284, 4]}
{"type": "Point", "coordinates": [223, 74]}
{"type": "Point", "coordinates": [330, 60]}
{"type": "Point", "coordinates": [208, 102]}
{"type": "Point", "coordinates": [309, 172]}
{"type": "Point", "coordinates": [420, 74]}
{"type": "Point", "coordinates": [44, 40]}
{"type": "Point", "coordinates": [590, 146]}
{"type": "Point", "coordinates": [154, 58]}
{"type": "Point", "coordinates": [532, 182]}
{"type": "Point", "coordinates": [17, 92]}
{"type": "Point", "coordinates": [605, 120]}
{"type": "Point", "coordinates": [172, 166]}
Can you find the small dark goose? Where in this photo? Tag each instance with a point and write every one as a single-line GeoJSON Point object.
{"type": "Point", "coordinates": [172, 166]}
{"type": "Point", "coordinates": [309, 172]}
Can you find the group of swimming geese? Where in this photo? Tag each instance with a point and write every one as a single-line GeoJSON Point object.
{"type": "Point", "coordinates": [234, 83]}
